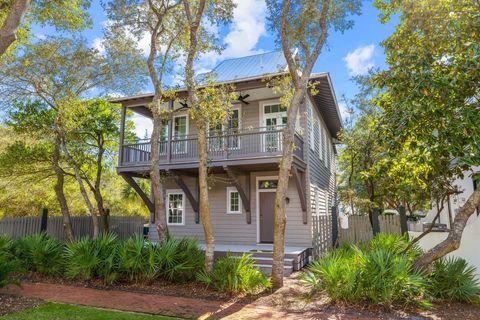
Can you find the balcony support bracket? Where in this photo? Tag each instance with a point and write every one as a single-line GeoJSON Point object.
{"type": "Point", "coordinates": [233, 176]}
{"type": "Point", "coordinates": [300, 183]}
{"type": "Point", "coordinates": [146, 199]}
{"type": "Point", "coordinates": [181, 184]}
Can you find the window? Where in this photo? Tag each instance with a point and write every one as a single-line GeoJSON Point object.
{"type": "Point", "coordinates": [319, 141]}
{"type": "Point", "coordinates": [324, 144]}
{"type": "Point", "coordinates": [310, 126]}
{"type": "Point", "coordinates": [315, 140]}
{"type": "Point", "coordinates": [234, 204]}
{"type": "Point", "coordinates": [274, 119]}
{"type": "Point", "coordinates": [175, 208]}
{"type": "Point", "coordinates": [267, 184]}
{"type": "Point", "coordinates": [180, 131]}
{"type": "Point", "coordinates": [225, 135]}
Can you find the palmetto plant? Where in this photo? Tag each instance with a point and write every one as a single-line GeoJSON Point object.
{"type": "Point", "coordinates": [9, 265]}
{"type": "Point", "coordinates": [86, 258]}
{"type": "Point", "coordinates": [454, 279]}
{"type": "Point", "coordinates": [40, 252]}
{"type": "Point", "coordinates": [378, 273]}
{"type": "Point", "coordinates": [235, 274]}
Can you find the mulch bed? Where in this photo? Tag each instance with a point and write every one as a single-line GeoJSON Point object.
{"type": "Point", "coordinates": [11, 303]}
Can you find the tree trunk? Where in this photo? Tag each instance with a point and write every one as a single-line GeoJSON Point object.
{"type": "Point", "coordinates": [59, 192]}
{"type": "Point", "coordinates": [157, 187]}
{"type": "Point", "coordinates": [11, 23]}
{"type": "Point", "coordinates": [454, 236]}
{"type": "Point", "coordinates": [97, 189]}
{"type": "Point", "coordinates": [282, 186]}
{"type": "Point", "coordinates": [204, 206]}
{"type": "Point", "coordinates": [83, 190]}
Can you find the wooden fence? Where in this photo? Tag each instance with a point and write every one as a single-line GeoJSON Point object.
{"type": "Point", "coordinates": [360, 229]}
{"type": "Point", "coordinates": [123, 226]}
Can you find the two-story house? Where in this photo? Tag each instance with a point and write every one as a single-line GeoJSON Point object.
{"type": "Point", "coordinates": [244, 154]}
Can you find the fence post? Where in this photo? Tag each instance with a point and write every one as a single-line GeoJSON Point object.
{"type": "Point", "coordinates": [44, 220]}
{"type": "Point", "coordinates": [403, 219]}
{"type": "Point", "coordinates": [375, 221]}
{"type": "Point", "coordinates": [334, 226]}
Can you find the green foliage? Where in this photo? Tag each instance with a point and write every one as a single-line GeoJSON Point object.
{"type": "Point", "coordinates": [235, 274]}
{"type": "Point", "coordinates": [377, 273]}
{"type": "Point", "coordinates": [9, 265]}
{"type": "Point", "coordinates": [40, 252]}
{"type": "Point", "coordinates": [137, 259]}
{"type": "Point", "coordinates": [453, 279]}
{"type": "Point", "coordinates": [86, 258]}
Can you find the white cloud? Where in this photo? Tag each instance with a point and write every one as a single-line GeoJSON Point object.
{"type": "Point", "coordinates": [360, 60]}
{"type": "Point", "coordinates": [343, 110]}
{"type": "Point", "coordinates": [143, 125]}
{"type": "Point", "coordinates": [248, 25]}
{"type": "Point", "coordinates": [98, 44]}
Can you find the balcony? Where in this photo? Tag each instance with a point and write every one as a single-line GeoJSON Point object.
{"type": "Point", "coordinates": [242, 146]}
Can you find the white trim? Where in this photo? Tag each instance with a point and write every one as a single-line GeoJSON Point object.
{"type": "Point", "coordinates": [167, 204]}
{"type": "Point", "coordinates": [187, 124]}
{"type": "Point", "coordinates": [262, 105]}
{"type": "Point", "coordinates": [257, 196]}
{"type": "Point", "coordinates": [229, 192]}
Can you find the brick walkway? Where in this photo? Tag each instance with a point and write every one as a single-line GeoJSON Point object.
{"type": "Point", "coordinates": [157, 304]}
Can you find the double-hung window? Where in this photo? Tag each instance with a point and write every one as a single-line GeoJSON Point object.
{"type": "Point", "coordinates": [234, 203]}
{"type": "Point", "coordinates": [180, 131]}
{"type": "Point", "coordinates": [175, 208]}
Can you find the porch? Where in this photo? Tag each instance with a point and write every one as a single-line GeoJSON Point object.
{"type": "Point", "coordinates": [261, 145]}
{"type": "Point", "coordinates": [295, 257]}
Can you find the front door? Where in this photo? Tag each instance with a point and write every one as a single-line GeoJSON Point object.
{"type": "Point", "coordinates": [267, 200]}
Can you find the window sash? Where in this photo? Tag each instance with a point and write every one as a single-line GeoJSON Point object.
{"type": "Point", "coordinates": [175, 208]}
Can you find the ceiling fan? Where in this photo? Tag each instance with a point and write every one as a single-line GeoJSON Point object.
{"type": "Point", "coordinates": [242, 98]}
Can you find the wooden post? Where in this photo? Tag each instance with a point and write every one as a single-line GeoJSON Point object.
{"type": "Point", "coordinates": [403, 219]}
{"type": "Point", "coordinates": [122, 134]}
{"type": "Point", "coordinates": [334, 226]}
{"type": "Point", "coordinates": [375, 221]}
{"type": "Point", "coordinates": [44, 220]}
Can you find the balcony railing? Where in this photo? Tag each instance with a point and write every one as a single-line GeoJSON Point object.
{"type": "Point", "coordinates": [241, 144]}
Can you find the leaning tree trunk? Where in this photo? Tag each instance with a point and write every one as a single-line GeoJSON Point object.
{"type": "Point", "coordinates": [59, 192]}
{"type": "Point", "coordinates": [452, 242]}
{"type": "Point", "coordinates": [11, 23]}
{"type": "Point", "coordinates": [97, 193]}
{"type": "Point", "coordinates": [204, 207]}
{"type": "Point", "coordinates": [282, 186]}
{"type": "Point", "coordinates": [157, 187]}
{"type": "Point", "coordinates": [83, 191]}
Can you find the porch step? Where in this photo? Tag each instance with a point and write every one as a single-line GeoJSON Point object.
{"type": "Point", "coordinates": [266, 269]}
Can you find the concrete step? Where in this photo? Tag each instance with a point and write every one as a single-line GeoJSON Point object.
{"type": "Point", "coordinates": [266, 269]}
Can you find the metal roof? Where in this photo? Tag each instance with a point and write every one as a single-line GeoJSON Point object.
{"type": "Point", "coordinates": [247, 67]}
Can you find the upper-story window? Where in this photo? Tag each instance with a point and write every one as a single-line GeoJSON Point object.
{"type": "Point", "coordinates": [324, 145]}
{"type": "Point", "coordinates": [225, 135]}
{"type": "Point", "coordinates": [316, 138]}
{"type": "Point", "coordinates": [319, 142]}
{"type": "Point", "coordinates": [180, 131]}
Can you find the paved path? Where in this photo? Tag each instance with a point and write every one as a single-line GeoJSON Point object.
{"type": "Point", "coordinates": [157, 304]}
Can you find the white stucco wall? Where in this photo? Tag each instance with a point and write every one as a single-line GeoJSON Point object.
{"type": "Point", "coordinates": [469, 247]}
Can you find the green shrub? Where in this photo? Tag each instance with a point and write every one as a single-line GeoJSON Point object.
{"type": "Point", "coordinates": [137, 259]}
{"type": "Point", "coordinates": [179, 260]}
{"type": "Point", "coordinates": [376, 273]}
{"type": "Point", "coordinates": [86, 258]}
{"type": "Point", "coordinates": [9, 265]}
{"type": "Point", "coordinates": [235, 274]}
{"type": "Point", "coordinates": [453, 279]}
{"type": "Point", "coordinates": [40, 252]}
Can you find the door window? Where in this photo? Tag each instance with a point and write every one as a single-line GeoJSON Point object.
{"type": "Point", "coordinates": [180, 133]}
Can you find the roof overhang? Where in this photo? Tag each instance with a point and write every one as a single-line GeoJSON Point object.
{"type": "Point", "coordinates": [326, 102]}
{"type": "Point", "coordinates": [324, 98]}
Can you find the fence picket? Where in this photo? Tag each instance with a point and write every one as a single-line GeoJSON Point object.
{"type": "Point", "coordinates": [360, 229]}
{"type": "Point", "coordinates": [123, 226]}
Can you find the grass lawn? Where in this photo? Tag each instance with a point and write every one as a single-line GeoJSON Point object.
{"type": "Point", "coordinates": [57, 311]}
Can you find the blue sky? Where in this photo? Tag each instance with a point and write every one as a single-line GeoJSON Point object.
{"type": "Point", "coordinates": [348, 54]}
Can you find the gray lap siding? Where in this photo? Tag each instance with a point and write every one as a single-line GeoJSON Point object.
{"type": "Point", "coordinates": [232, 228]}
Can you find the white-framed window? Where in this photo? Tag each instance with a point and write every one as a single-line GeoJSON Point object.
{"type": "Point", "coordinates": [324, 145]}
{"type": "Point", "coordinates": [180, 133]}
{"type": "Point", "coordinates": [311, 129]}
{"type": "Point", "coordinates": [319, 141]}
{"type": "Point", "coordinates": [316, 132]}
{"type": "Point", "coordinates": [234, 203]}
{"type": "Point", "coordinates": [175, 207]}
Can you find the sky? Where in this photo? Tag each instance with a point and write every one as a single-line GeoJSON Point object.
{"type": "Point", "coordinates": [352, 53]}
